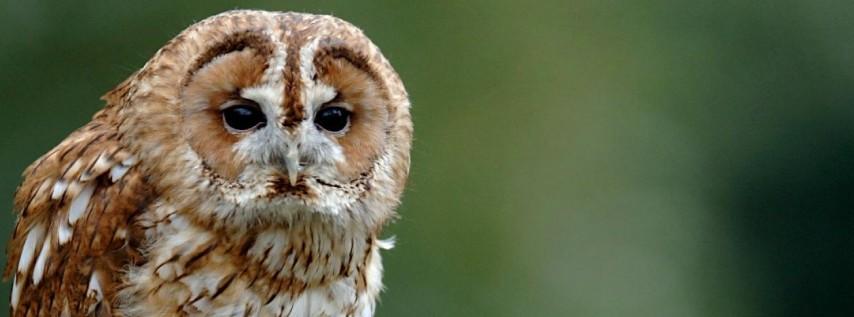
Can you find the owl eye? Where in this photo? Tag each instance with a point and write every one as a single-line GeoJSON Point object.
{"type": "Point", "coordinates": [244, 116]}
{"type": "Point", "coordinates": [332, 119]}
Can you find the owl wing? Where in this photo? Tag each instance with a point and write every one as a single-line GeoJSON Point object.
{"type": "Point", "coordinates": [74, 232]}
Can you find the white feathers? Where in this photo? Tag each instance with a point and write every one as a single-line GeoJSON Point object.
{"type": "Point", "coordinates": [80, 203]}
{"type": "Point", "coordinates": [59, 189]}
{"type": "Point", "coordinates": [130, 161]}
{"type": "Point", "coordinates": [270, 242]}
{"type": "Point", "coordinates": [315, 93]}
{"type": "Point", "coordinates": [292, 162]}
{"type": "Point", "coordinates": [101, 164]}
{"type": "Point", "coordinates": [95, 290]}
{"type": "Point", "coordinates": [121, 234]}
{"type": "Point", "coordinates": [387, 244]}
{"type": "Point", "coordinates": [105, 163]}
{"type": "Point", "coordinates": [306, 60]}
{"type": "Point", "coordinates": [204, 282]}
{"type": "Point", "coordinates": [205, 305]}
{"type": "Point", "coordinates": [34, 238]}
{"type": "Point", "coordinates": [276, 64]}
{"type": "Point", "coordinates": [16, 292]}
{"type": "Point", "coordinates": [183, 242]}
{"type": "Point", "coordinates": [95, 285]}
{"type": "Point", "coordinates": [41, 262]}
{"type": "Point", "coordinates": [169, 271]}
{"type": "Point", "coordinates": [302, 305]}
{"type": "Point", "coordinates": [118, 171]}
{"type": "Point", "coordinates": [64, 232]}
{"type": "Point", "coordinates": [373, 280]}
{"type": "Point", "coordinates": [269, 97]}
{"type": "Point", "coordinates": [331, 300]}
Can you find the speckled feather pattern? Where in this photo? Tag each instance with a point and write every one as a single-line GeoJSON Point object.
{"type": "Point", "coordinates": [155, 208]}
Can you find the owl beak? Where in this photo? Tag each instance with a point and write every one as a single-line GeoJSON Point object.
{"type": "Point", "coordinates": [292, 164]}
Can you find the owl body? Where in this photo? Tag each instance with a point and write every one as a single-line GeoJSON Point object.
{"type": "Point", "coordinates": [246, 170]}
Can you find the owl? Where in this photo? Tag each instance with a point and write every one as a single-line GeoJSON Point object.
{"type": "Point", "coordinates": [247, 169]}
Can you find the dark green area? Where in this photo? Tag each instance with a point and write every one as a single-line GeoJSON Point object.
{"type": "Point", "coordinates": [587, 158]}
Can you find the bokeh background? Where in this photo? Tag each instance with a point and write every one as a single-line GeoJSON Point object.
{"type": "Point", "coordinates": [572, 158]}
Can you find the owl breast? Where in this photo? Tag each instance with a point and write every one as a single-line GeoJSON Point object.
{"type": "Point", "coordinates": [311, 268]}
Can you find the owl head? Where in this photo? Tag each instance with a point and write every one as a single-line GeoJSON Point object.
{"type": "Point", "coordinates": [251, 117]}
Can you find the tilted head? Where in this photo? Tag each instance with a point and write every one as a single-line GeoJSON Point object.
{"type": "Point", "coordinates": [253, 117]}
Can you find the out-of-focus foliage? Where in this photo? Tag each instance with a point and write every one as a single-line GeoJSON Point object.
{"type": "Point", "coordinates": [587, 158]}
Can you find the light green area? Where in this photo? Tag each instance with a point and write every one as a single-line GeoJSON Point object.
{"type": "Point", "coordinates": [571, 158]}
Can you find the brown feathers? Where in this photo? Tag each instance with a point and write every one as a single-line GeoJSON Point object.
{"type": "Point", "coordinates": [75, 204]}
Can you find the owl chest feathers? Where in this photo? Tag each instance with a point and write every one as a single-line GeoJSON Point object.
{"type": "Point", "coordinates": [306, 267]}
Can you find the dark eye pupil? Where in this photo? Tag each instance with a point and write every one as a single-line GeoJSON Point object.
{"type": "Point", "coordinates": [332, 119]}
{"type": "Point", "coordinates": [243, 117]}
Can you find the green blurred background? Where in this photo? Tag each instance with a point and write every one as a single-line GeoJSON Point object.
{"type": "Point", "coordinates": [586, 158]}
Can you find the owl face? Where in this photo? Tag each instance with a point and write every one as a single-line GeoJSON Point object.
{"type": "Point", "coordinates": [274, 118]}
{"type": "Point", "coordinates": [295, 137]}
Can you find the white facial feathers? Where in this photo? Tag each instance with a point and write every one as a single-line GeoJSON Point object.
{"type": "Point", "coordinates": [266, 145]}
{"type": "Point", "coordinates": [289, 149]}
